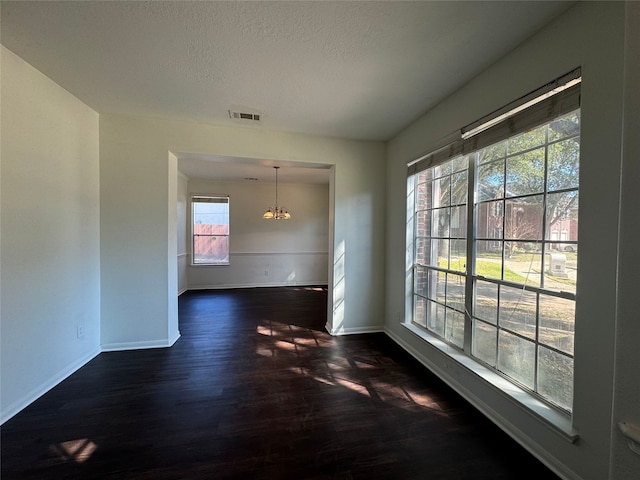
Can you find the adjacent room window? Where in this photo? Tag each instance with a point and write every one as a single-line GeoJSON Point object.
{"type": "Point", "coordinates": [210, 218]}
{"type": "Point", "coordinates": [492, 276]}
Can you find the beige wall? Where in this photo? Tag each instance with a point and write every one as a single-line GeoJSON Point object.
{"type": "Point", "coordinates": [624, 463]}
{"type": "Point", "coordinates": [263, 252]}
{"type": "Point", "coordinates": [135, 200]}
{"type": "Point", "coordinates": [50, 250]}
{"type": "Point", "coordinates": [182, 226]}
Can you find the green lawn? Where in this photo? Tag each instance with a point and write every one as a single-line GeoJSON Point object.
{"type": "Point", "coordinates": [486, 268]}
{"type": "Point", "coordinates": [492, 270]}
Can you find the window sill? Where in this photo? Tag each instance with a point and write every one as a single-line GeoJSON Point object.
{"type": "Point", "coordinates": [209, 264]}
{"type": "Point", "coordinates": [557, 420]}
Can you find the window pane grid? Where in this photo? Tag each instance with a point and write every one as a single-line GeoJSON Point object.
{"type": "Point", "coordinates": [440, 249]}
{"type": "Point", "coordinates": [210, 230]}
{"type": "Point", "coordinates": [529, 288]}
{"type": "Point", "coordinates": [440, 308]}
{"type": "Point", "coordinates": [523, 260]}
{"type": "Point", "coordinates": [518, 230]}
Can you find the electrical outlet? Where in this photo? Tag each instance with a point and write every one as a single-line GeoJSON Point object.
{"type": "Point", "coordinates": [80, 331]}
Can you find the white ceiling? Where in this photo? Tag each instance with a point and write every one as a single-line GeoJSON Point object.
{"type": "Point", "coordinates": [348, 69]}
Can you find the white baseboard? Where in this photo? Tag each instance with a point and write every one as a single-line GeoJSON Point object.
{"type": "Point", "coordinates": [9, 411]}
{"type": "Point", "coordinates": [174, 339]}
{"type": "Point", "coordinates": [117, 347]}
{"type": "Point", "coordinates": [255, 285]}
{"type": "Point", "coordinates": [354, 331]}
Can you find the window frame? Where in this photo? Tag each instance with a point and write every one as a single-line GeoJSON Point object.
{"type": "Point", "coordinates": [210, 198]}
{"type": "Point", "coordinates": [453, 151]}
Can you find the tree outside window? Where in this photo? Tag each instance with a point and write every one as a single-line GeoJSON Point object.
{"type": "Point", "coordinates": [520, 321]}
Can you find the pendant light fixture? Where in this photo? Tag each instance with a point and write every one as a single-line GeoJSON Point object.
{"type": "Point", "coordinates": [276, 212]}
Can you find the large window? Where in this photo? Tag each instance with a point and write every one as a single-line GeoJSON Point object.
{"type": "Point", "coordinates": [440, 254]}
{"type": "Point", "coordinates": [495, 246]}
{"type": "Point", "coordinates": [210, 215]}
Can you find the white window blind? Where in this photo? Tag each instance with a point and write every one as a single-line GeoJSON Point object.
{"type": "Point", "coordinates": [553, 100]}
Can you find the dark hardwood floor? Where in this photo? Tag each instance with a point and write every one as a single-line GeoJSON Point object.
{"type": "Point", "coordinates": [255, 388]}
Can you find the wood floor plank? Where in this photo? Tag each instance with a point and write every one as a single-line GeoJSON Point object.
{"type": "Point", "coordinates": [256, 388]}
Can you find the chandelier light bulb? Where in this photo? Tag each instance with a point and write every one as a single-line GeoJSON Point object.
{"type": "Point", "coordinates": [276, 212]}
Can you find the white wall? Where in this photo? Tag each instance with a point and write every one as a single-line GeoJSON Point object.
{"type": "Point", "coordinates": [268, 252]}
{"type": "Point", "coordinates": [171, 229]}
{"type": "Point", "coordinates": [624, 463]}
{"type": "Point", "coordinates": [50, 251]}
{"type": "Point", "coordinates": [591, 35]}
{"type": "Point", "coordinates": [182, 227]}
{"type": "Point", "coordinates": [134, 172]}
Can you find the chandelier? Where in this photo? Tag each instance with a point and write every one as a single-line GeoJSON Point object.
{"type": "Point", "coordinates": [276, 212]}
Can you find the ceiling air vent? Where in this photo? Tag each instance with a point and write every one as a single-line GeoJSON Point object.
{"type": "Point", "coordinates": [237, 115]}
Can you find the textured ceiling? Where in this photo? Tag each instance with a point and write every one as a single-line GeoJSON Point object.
{"type": "Point", "coordinates": [349, 69]}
